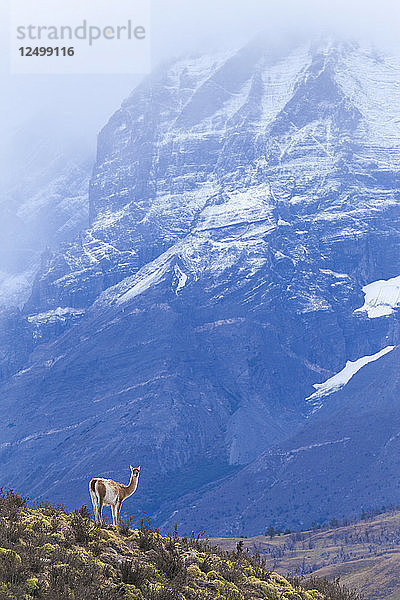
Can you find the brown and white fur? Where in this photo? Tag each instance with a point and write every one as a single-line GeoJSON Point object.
{"type": "Point", "coordinates": [106, 492]}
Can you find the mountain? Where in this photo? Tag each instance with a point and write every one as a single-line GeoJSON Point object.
{"type": "Point", "coordinates": [341, 462]}
{"type": "Point", "coordinates": [232, 303]}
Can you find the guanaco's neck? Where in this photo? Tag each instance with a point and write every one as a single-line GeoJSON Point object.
{"type": "Point", "coordinates": [132, 485]}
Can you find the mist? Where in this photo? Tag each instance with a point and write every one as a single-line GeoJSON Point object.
{"type": "Point", "coordinates": [178, 28]}
{"type": "Point", "coordinates": [82, 103]}
{"type": "Point", "coordinates": [46, 115]}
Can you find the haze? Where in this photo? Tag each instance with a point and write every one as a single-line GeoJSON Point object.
{"type": "Point", "coordinates": [68, 111]}
{"type": "Point", "coordinates": [180, 27]}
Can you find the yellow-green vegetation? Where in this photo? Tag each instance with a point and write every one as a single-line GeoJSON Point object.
{"type": "Point", "coordinates": [47, 553]}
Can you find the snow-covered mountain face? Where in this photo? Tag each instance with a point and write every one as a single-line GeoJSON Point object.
{"type": "Point", "coordinates": [243, 247]}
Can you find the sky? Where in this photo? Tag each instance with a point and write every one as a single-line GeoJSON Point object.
{"type": "Point", "coordinates": [77, 106]}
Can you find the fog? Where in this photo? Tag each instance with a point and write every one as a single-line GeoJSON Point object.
{"type": "Point", "coordinates": [180, 27]}
{"type": "Point", "coordinates": [67, 111]}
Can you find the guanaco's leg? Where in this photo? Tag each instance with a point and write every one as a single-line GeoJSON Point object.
{"type": "Point", "coordinates": [94, 502]}
{"type": "Point", "coordinates": [118, 510]}
{"type": "Point", "coordinates": [100, 510]}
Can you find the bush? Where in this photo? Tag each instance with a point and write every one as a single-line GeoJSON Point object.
{"type": "Point", "coordinates": [148, 536]}
{"type": "Point", "coordinates": [11, 503]}
{"type": "Point", "coordinates": [155, 592]}
{"type": "Point", "coordinates": [171, 563]}
{"type": "Point", "coordinates": [332, 589]}
{"type": "Point", "coordinates": [10, 566]}
{"type": "Point", "coordinates": [125, 525]}
{"type": "Point", "coordinates": [134, 573]}
{"type": "Point", "coordinates": [81, 525]}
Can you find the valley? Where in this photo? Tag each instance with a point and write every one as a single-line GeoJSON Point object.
{"type": "Point", "coordinates": [364, 555]}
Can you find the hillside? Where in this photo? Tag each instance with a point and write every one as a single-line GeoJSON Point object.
{"type": "Point", "coordinates": [50, 554]}
{"type": "Point", "coordinates": [343, 461]}
{"type": "Point", "coordinates": [365, 555]}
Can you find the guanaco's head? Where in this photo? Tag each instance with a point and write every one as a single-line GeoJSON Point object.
{"type": "Point", "coordinates": [135, 471]}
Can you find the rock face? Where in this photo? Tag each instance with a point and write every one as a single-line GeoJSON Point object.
{"type": "Point", "coordinates": [238, 206]}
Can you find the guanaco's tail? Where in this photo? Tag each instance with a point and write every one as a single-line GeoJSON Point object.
{"type": "Point", "coordinates": [93, 496]}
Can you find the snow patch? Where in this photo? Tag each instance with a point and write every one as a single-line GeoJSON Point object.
{"type": "Point", "coordinates": [215, 324]}
{"type": "Point", "coordinates": [278, 255]}
{"type": "Point", "coordinates": [143, 284]}
{"type": "Point", "coordinates": [148, 276]}
{"type": "Point", "coordinates": [182, 279]}
{"type": "Point", "coordinates": [381, 297]}
{"type": "Point", "coordinates": [335, 383]}
{"type": "Point", "coordinates": [244, 207]}
{"type": "Point", "coordinates": [334, 274]}
{"type": "Point", "coordinates": [55, 315]}
{"type": "Point", "coordinates": [314, 303]}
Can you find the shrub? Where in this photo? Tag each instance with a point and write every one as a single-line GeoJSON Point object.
{"type": "Point", "coordinates": [81, 525]}
{"type": "Point", "coordinates": [157, 592]}
{"type": "Point", "coordinates": [125, 525]}
{"type": "Point", "coordinates": [194, 571]}
{"type": "Point", "coordinates": [10, 566]}
{"type": "Point", "coordinates": [331, 589]}
{"type": "Point", "coordinates": [134, 573]}
{"type": "Point", "coordinates": [171, 563]}
{"type": "Point", "coordinates": [33, 587]}
{"type": "Point", "coordinates": [11, 503]}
